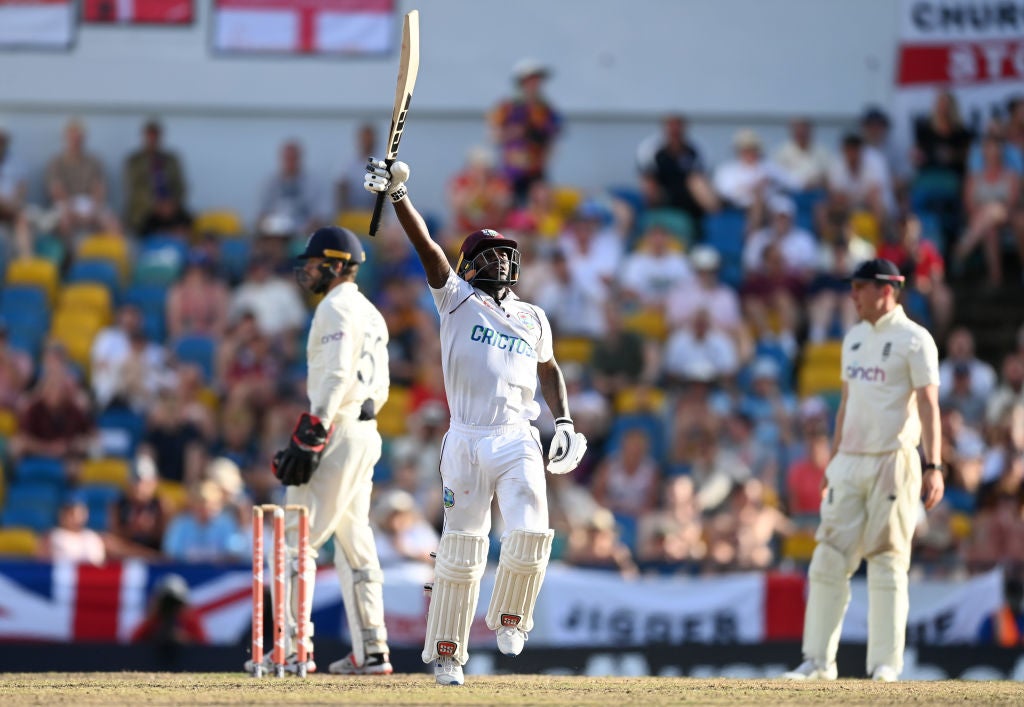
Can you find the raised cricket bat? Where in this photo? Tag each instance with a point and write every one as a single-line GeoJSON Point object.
{"type": "Point", "coordinates": [407, 71]}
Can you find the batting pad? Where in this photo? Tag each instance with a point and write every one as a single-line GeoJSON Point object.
{"type": "Point", "coordinates": [461, 559]}
{"type": "Point", "coordinates": [521, 567]}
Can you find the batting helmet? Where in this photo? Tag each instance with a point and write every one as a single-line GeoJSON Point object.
{"type": "Point", "coordinates": [482, 248]}
{"type": "Point", "coordinates": [334, 243]}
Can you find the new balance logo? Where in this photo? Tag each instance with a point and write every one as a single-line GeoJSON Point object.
{"type": "Point", "coordinates": [859, 373]}
{"type": "Point", "coordinates": [510, 620]}
{"type": "Point", "coordinates": [447, 648]}
{"type": "Point", "coordinates": [854, 347]}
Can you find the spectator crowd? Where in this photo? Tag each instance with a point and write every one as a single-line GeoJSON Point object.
{"type": "Point", "coordinates": [697, 310]}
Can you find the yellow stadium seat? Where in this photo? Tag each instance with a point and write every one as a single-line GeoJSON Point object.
{"type": "Point", "coordinates": [393, 417]}
{"type": "Point", "coordinates": [18, 542]}
{"type": "Point", "coordinates": [826, 352]}
{"type": "Point", "coordinates": [865, 225]}
{"type": "Point", "coordinates": [88, 299]}
{"type": "Point", "coordinates": [356, 221]}
{"type": "Point", "coordinates": [220, 222]}
{"type": "Point", "coordinates": [649, 323]}
{"type": "Point", "coordinates": [209, 399]}
{"type": "Point", "coordinates": [78, 345]}
{"type": "Point", "coordinates": [8, 423]}
{"type": "Point", "coordinates": [638, 399]}
{"type": "Point", "coordinates": [108, 246]}
{"type": "Point", "coordinates": [173, 493]}
{"type": "Point", "coordinates": [78, 321]}
{"type": "Point", "coordinates": [960, 526]}
{"type": "Point", "coordinates": [112, 472]}
{"type": "Point", "coordinates": [799, 546]}
{"type": "Point", "coordinates": [566, 200]}
{"type": "Point", "coordinates": [36, 272]}
{"type": "Point", "coordinates": [817, 379]}
{"type": "Point", "coordinates": [574, 349]}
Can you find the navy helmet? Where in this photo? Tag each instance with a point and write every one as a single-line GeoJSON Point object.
{"type": "Point", "coordinates": [334, 243]}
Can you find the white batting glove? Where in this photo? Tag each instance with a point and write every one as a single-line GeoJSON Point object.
{"type": "Point", "coordinates": [380, 179]}
{"type": "Point", "coordinates": [567, 447]}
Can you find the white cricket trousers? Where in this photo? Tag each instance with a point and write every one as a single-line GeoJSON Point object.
{"type": "Point", "coordinates": [869, 511]}
{"type": "Point", "coordinates": [479, 463]}
{"type": "Point", "coordinates": [338, 499]}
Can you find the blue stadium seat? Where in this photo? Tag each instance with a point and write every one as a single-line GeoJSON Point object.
{"type": "Point", "coordinates": [103, 272]}
{"type": "Point", "coordinates": [234, 254]}
{"type": "Point", "coordinates": [25, 311]}
{"type": "Point", "coordinates": [121, 431]}
{"type": "Point", "coordinates": [98, 498]}
{"type": "Point", "coordinates": [151, 300]}
{"type": "Point", "coordinates": [648, 423]}
{"type": "Point", "coordinates": [199, 350]}
{"type": "Point", "coordinates": [160, 260]}
{"type": "Point", "coordinates": [40, 469]}
{"type": "Point", "coordinates": [31, 517]}
{"type": "Point", "coordinates": [32, 505]}
{"type": "Point", "coordinates": [931, 229]}
{"type": "Point", "coordinates": [725, 232]}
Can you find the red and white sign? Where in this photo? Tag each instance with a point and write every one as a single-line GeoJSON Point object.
{"type": "Point", "coordinates": [973, 47]}
{"type": "Point", "coordinates": [304, 26]}
{"type": "Point", "coordinates": [158, 12]}
{"type": "Point", "coordinates": [37, 24]}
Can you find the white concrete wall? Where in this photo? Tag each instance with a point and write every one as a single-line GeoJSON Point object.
{"type": "Point", "coordinates": [618, 65]}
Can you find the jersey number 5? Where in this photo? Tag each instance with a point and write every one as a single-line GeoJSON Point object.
{"type": "Point", "coordinates": [366, 370]}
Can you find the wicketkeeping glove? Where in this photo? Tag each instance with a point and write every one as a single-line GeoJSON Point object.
{"type": "Point", "coordinates": [295, 464]}
{"type": "Point", "coordinates": [379, 178]}
{"type": "Point", "coordinates": [567, 447]}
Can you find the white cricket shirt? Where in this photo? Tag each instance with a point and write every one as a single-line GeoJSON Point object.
{"type": "Point", "coordinates": [347, 352]}
{"type": "Point", "coordinates": [883, 365]}
{"type": "Point", "coordinates": [490, 354]}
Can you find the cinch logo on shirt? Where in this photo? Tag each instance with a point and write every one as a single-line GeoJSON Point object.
{"type": "Point", "coordinates": [486, 335]}
{"type": "Point", "coordinates": [874, 375]}
{"type": "Point", "coordinates": [336, 336]}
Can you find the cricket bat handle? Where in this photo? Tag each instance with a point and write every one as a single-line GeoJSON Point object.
{"type": "Point", "coordinates": [378, 207]}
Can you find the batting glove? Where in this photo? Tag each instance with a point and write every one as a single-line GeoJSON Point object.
{"type": "Point", "coordinates": [295, 464]}
{"type": "Point", "coordinates": [380, 178]}
{"type": "Point", "coordinates": [567, 447]}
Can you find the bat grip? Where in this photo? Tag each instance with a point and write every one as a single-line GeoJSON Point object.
{"type": "Point", "coordinates": [378, 207]}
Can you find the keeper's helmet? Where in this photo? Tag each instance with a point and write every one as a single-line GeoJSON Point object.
{"type": "Point", "coordinates": [481, 257]}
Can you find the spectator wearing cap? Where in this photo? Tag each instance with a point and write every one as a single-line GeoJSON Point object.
{"type": "Point", "coordinates": [828, 297]}
{"type": "Point", "coordinates": [797, 248]}
{"type": "Point", "coordinates": [198, 302]}
{"type": "Point", "coordinates": [71, 540]}
{"type": "Point", "coordinates": [875, 129]}
{"type": "Point", "coordinates": [804, 160]}
{"type": "Point", "coordinates": [859, 180]}
{"type": "Point", "coordinates": [275, 301]}
{"type": "Point", "coordinates": [746, 181]}
{"type": "Point", "coordinates": [596, 545]}
{"type": "Point", "coordinates": [655, 268]}
{"type": "Point", "coordinates": [479, 195]}
{"type": "Point", "coordinates": [291, 195]}
{"type": "Point", "coordinates": [672, 172]}
{"type": "Point", "coordinates": [78, 188]}
{"type": "Point", "coordinates": [401, 533]}
{"type": "Point", "coordinates": [139, 515]}
{"type": "Point", "coordinates": [924, 267]}
{"type": "Point", "coordinates": [707, 293]}
{"type": "Point", "coordinates": [154, 186]}
{"type": "Point", "coordinates": [127, 369]}
{"type": "Point", "coordinates": [525, 127]}
{"type": "Point", "coordinates": [960, 352]}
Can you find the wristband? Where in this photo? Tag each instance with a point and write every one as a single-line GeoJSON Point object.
{"type": "Point", "coordinates": [563, 420]}
{"type": "Point", "coordinates": [398, 194]}
{"type": "Point", "coordinates": [938, 467]}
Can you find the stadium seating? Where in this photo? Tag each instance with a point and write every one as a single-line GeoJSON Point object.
{"type": "Point", "coordinates": [98, 499]}
{"type": "Point", "coordinates": [37, 272]}
{"type": "Point", "coordinates": [121, 430]}
{"type": "Point", "coordinates": [393, 417]}
{"type": "Point", "coordinates": [50, 248]}
{"type": "Point", "coordinates": [199, 350]}
{"type": "Point", "coordinates": [566, 199]}
{"type": "Point", "coordinates": [18, 542]}
{"type": "Point", "coordinates": [648, 423]}
{"type": "Point", "coordinates": [725, 232]}
{"type": "Point", "coordinates": [31, 505]}
{"type": "Point", "coordinates": [151, 299]}
{"type": "Point", "coordinates": [114, 472]}
{"type": "Point", "coordinates": [219, 222]}
{"type": "Point", "coordinates": [103, 272]}
{"type": "Point", "coordinates": [820, 369]}
{"type": "Point", "coordinates": [8, 423]}
{"type": "Point", "coordinates": [25, 311]}
{"type": "Point", "coordinates": [355, 221]}
{"type": "Point", "coordinates": [160, 261]}
{"type": "Point", "coordinates": [109, 247]}
{"type": "Point", "coordinates": [86, 298]}
{"type": "Point", "coordinates": [234, 254]}
{"type": "Point", "coordinates": [174, 494]}
{"type": "Point", "coordinates": [573, 349]}
{"type": "Point", "coordinates": [40, 470]}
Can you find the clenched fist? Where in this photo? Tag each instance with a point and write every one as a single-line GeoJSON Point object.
{"type": "Point", "coordinates": [380, 178]}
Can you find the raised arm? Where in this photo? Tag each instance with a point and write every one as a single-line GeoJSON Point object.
{"type": "Point", "coordinates": [380, 178]}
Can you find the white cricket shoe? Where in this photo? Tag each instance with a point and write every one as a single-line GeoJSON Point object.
{"type": "Point", "coordinates": [810, 670]}
{"type": "Point", "coordinates": [375, 664]}
{"type": "Point", "coordinates": [291, 664]}
{"type": "Point", "coordinates": [511, 640]}
{"type": "Point", "coordinates": [448, 672]}
{"type": "Point", "coordinates": [885, 673]}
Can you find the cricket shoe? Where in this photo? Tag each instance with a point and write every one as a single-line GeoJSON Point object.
{"type": "Point", "coordinates": [291, 664]}
{"type": "Point", "coordinates": [811, 670]}
{"type": "Point", "coordinates": [375, 664]}
{"type": "Point", "coordinates": [511, 640]}
{"type": "Point", "coordinates": [448, 672]}
{"type": "Point", "coordinates": [885, 673]}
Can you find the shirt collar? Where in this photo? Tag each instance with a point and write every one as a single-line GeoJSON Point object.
{"type": "Point", "coordinates": [894, 315]}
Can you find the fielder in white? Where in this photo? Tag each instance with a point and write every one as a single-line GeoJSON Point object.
{"type": "Point", "coordinates": [328, 464]}
{"type": "Point", "coordinates": [890, 373]}
{"type": "Point", "coordinates": [495, 347]}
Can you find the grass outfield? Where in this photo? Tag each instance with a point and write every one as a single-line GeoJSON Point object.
{"type": "Point", "coordinates": [224, 689]}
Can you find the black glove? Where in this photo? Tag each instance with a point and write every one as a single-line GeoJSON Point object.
{"type": "Point", "coordinates": [294, 465]}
